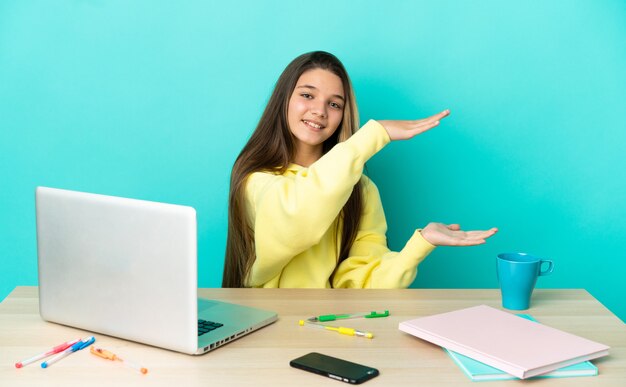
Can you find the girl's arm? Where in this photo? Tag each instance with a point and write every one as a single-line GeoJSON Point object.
{"type": "Point", "coordinates": [291, 214]}
{"type": "Point", "coordinates": [372, 265]}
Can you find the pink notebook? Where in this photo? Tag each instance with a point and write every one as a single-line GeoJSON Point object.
{"type": "Point", "coordinates": [502, 340]}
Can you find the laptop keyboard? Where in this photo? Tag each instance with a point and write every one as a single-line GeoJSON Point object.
{"type": "Point", "coordinates": [205, 326]}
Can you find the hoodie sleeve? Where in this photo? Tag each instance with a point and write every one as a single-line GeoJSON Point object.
{"type": "Point", "coordinates": [370, 263]}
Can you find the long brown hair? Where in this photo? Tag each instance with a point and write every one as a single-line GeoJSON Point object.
{"type": "Point", "coordinates": [272, 148]}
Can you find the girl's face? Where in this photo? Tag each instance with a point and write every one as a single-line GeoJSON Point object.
{"type": "Point", "coordinates": [315, 110]}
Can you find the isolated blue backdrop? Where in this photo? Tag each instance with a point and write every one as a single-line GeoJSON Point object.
{"type": "Point", "coordinates": [154, 99]}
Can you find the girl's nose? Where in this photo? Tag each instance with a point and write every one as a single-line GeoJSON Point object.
{"type": "Point", "coordinates": [318, 109]}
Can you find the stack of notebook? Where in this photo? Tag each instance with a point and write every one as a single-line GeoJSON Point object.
{"type": "Point", "coordinates": [478, 371]}
{"type": "Point", "coordinates": [510, 344]}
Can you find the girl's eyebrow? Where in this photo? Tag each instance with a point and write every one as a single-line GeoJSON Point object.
{"type": "Point", "coordinates": [315, 88]}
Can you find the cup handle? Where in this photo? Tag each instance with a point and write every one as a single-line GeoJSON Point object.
{"type": "Point", "coordinates": [549, 269]}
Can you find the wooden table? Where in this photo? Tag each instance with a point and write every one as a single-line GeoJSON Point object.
{"type": "Point", "coordinates": [262, 358]}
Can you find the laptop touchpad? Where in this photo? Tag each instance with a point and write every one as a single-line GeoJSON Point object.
{"type": "Point", "coordinates": [205, 304]}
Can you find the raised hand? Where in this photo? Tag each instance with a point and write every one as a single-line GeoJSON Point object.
{"type": "Point", "coordinates": [404, 130]}
{"type": "Point", "coordinates": [439, 234]}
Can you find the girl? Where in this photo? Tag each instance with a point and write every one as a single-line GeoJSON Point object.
{"type": "Point", "coordinates": [301, 212]}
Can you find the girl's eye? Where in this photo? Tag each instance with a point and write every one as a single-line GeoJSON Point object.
{"type": "Point", "coordinates": [335, 105]}
{"type": "Point", "coordinates": [306, 95]}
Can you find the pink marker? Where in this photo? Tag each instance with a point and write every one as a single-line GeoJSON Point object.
{"type": "Point", "coordinates": [57, 349]}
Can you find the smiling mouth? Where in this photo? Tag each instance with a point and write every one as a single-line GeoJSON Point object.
{"type": "Point", "coordinates": [313, 125]}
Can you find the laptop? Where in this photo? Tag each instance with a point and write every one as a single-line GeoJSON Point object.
{"type": "Point", "coordinates": [128, 268]}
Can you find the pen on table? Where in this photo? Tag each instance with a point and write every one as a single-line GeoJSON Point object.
{"type": "Point", "coordinates": [52, 351]}
{"type": "Point", "coordinates": [341, 330]}
{"type": "Point", "coordinates": [87, 341]}
{"type": "Point", "coordinates": [333, 317]}
{"type": "Point", "coordinates": [103, 353]}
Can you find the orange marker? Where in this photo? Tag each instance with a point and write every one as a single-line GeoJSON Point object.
{"type": "Point", "coordinates": [103, 353]}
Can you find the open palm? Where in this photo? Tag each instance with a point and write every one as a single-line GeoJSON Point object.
{"type": "Point", "coordinates": [407, 129]}
{"type": "Point", "coordinates": [439, 234]}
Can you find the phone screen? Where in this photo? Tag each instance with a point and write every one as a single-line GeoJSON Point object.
{"type": "Point", "coordinates": [334, 368]}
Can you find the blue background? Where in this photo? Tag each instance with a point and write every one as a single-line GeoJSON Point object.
{"type": "Point", "coordinates": [154, 100]}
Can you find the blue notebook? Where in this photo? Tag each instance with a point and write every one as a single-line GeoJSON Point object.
{"type": "Point", "coordinates": [478, 371]}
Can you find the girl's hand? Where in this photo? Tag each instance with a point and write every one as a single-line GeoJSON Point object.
{"type": "Point", "coordinates": [439, 234]}
{"type": "Point", "coordinates": [404, 130]}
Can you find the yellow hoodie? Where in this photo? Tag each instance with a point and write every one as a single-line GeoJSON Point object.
{"type": "Point", "coordinates": [294, 218]}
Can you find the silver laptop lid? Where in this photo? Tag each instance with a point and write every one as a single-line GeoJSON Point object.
{"type": "Point", "coordinates": [121, 267]}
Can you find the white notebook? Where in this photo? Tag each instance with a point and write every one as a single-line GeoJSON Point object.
{"type": "Point", "coordinates": [502, 340]}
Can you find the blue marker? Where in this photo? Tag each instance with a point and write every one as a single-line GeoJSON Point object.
{"type": "Point", "coordinates": [84, 343]}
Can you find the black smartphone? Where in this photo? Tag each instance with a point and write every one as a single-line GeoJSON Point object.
{"type": "Point", "coordinates": [334, 368]}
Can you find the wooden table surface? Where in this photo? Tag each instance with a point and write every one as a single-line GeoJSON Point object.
{"type": "Point", "coordinates": [262, 358]}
